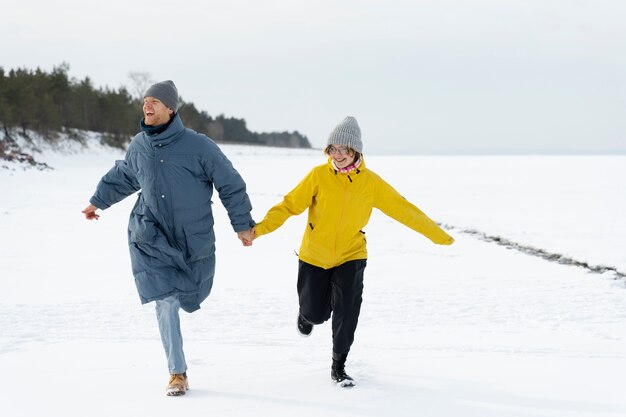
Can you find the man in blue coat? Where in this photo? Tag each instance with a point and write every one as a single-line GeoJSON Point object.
{"type": "Point", "coordinates": [170, 230]}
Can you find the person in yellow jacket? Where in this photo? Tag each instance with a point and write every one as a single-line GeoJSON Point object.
{"type": "Point", "coordinates": [340, 196]}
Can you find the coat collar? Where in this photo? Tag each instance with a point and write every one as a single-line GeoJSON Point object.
{"type": "Point", "coordinates": [330, 165]}
{"type": "Point", "coordinates": [169, 135]}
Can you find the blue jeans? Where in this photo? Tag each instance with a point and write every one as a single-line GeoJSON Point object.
{"type": "Point", "coordinates": [169, 325]}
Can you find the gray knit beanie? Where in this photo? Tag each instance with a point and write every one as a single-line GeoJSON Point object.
{"type": "Point", "coordinates": [347, 133]}
{"type": "Point", "coordinates": [165, 91]}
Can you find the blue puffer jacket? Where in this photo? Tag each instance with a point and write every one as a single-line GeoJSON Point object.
{"type": "Point", "coordinates": [170, 231]}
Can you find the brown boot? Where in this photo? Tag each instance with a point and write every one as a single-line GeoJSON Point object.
{"type": "Point", "coordinates": [178, 385]}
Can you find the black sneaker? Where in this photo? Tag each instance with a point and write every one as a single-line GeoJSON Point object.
{"type": "Point", "coordinates": [304, 327]}
{"type": "Point", "coordinates": [338, 372]}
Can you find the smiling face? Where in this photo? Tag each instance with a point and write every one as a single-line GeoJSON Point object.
{"type": "Point", "coordinates": [155, 112]}
{"type": "Point", "coordinates": [342, 155]}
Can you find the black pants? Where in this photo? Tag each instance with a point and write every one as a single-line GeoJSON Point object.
{"type": "Point", "coordinates": [338, 291]}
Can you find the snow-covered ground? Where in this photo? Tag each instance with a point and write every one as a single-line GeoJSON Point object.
{"type": "Point", "coordinates": [474, 329]}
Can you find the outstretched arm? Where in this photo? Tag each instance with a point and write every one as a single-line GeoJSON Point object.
{"type": "Point", "coordinates": [294, 203]}
{"type": "Point", "coordinates": [115, 185]}
{"type": "Point", "coordinates": [390, 202]}
{"type": "Point", "coordinates": [232, 192]}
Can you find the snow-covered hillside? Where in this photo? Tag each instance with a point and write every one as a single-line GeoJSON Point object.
{"type": "Point", "coordinates": [471, 330]}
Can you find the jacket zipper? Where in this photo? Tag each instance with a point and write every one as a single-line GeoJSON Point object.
{"type": "Point", "coordinates": [343, 208]}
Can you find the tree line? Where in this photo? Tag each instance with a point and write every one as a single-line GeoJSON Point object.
{"type": "Point", "coordinates": [50, 103]}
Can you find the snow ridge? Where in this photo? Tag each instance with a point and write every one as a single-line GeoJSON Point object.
{"type": "Point", "coordinates": [541, 253]}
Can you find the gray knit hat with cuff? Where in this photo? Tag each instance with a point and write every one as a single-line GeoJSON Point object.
{"type": "Point", "coordinates": [165, 91]}
{"type": "Point", "coordinates": [347, 133]}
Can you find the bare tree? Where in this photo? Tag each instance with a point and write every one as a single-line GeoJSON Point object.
{"type": "Point", "coordinates": [140, 83]}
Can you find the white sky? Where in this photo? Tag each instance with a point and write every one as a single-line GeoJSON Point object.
{"type": "Point", "coordinates": [420, 76]}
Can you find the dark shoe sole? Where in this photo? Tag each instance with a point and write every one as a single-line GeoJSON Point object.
{"type": "Point", "coordinates": [299, 332]}
{"type": "Point", "coordinates": [176, 393]}
{"type": "Point", "coordinates": [346, 383]}
{"type": "Point", "coordinates": [304, 334]}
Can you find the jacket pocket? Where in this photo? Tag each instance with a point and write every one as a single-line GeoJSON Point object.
{"type": "Point", "coordinates": [141, 227]}
{"type": "Point", "coordinates": [200, 242]}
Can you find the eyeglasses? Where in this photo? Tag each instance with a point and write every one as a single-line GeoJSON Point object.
{"type": "Point", "coordinates": [342, 151]}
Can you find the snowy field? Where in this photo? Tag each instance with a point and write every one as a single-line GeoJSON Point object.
{"type": "Point", "coordinates": [471, 330]}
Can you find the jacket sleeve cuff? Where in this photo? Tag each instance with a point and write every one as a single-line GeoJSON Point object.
{"type": "Point", "coordinates": [241, 227]}
{"type": "Point", "coordinates": [98, 203]}
{"type": "Point", "coordinates": [260, 229]}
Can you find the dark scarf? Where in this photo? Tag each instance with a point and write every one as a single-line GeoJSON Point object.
{"type": "Point", "coordinates": [155, 130]}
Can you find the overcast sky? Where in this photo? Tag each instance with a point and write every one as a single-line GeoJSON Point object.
{"type": "Point", "coordinates": [432, 76]}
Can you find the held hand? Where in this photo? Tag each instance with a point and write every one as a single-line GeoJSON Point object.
{"type": "Point", "coordinates": [246, 236]}
{"type": "Point", "coordinates": [90, 212]}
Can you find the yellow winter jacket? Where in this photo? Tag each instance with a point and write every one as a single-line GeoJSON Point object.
{"type": "Point", "coordinates": [340, 206]}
